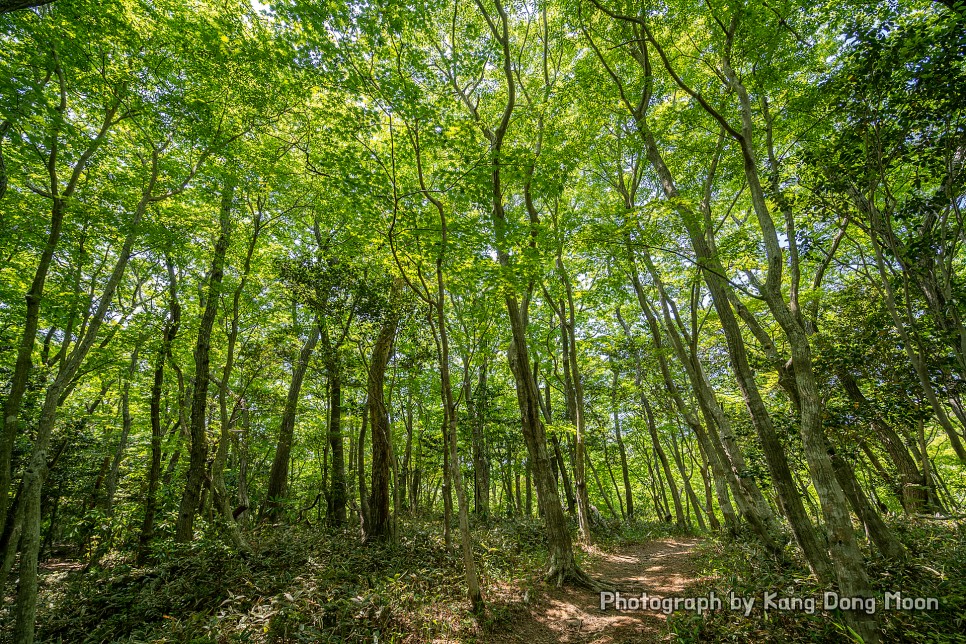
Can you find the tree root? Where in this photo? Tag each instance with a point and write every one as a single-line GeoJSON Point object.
{"type": "Point", "coordinates": [573, 575]}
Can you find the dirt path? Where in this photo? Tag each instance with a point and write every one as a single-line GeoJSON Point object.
{"type": "Point", "coordinates": [659, 568]}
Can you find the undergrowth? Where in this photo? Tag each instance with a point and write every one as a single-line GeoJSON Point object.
{"type": "Point", "coordinates": [300, 585]}
{"type": "Point", "coordinates": [310, 585]}
{"type": "Point", "coordinates": [935, 567]}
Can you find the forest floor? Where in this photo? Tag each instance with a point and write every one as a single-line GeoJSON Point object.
{"type": "Point", "coordinates": [661, 568]}
{"type": "Point", "coordinates": [311, 585]}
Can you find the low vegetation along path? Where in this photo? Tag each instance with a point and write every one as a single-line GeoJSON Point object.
{"type": "Point", "coordinates": [662, 568]}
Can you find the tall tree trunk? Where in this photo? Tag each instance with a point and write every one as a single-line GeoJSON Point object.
{"type": "Point", "coordinates": [628, 494]}
{"type": "Point", "coordinates": [220, 497]}
{"type": "Point", "coordinates": [171, 328]}
{"type": "Point", "coordinates": [364, 514]}
{"type": "Point", "coordinates": [481, 462]}
{"type": "Point", "coordinates": [575, 393]}
{"type": "Point", "coordinates": [338, 495]}
{"type": "Point", "coordinates": [184, 527]}
{"type": "Point", "coordinates": [379, 527]}
{"type": "Point", "coordinates": [474, 594]}
{"type": "Point", "coordinates": [562, 565]}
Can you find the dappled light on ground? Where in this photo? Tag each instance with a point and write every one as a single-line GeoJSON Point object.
{"type": "Point", "coordinates": [659, 568]}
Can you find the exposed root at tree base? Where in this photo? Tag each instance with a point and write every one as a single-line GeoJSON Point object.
{"type": "Point", "coordinates": [574, 575]}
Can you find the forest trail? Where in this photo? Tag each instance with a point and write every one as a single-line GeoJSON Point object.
{"type": "Point", "coordinates": [662, 568]}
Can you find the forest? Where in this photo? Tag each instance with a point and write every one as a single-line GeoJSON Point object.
{"type": "Point", "coordinates": [466, 320]}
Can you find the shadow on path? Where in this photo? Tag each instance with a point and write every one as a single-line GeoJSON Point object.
{"type": "Point", "coordinates": [660, 568]}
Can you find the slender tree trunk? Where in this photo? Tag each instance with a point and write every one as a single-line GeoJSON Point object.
{"type": "Point", "coordinates": [561, 468]}
{"type": "Point", "coordinates": [529, 496]}
{"type": "Point", "coordinates": [184, 527]}
{"type": "Point", "coordinates": [406, 474]}
{"type": "Point", "coordinates": [575, 394]}
{"type": "Point", "coordinates": [686, 481]}
{"type": "Point", "coordinates": [364, 515]}
{"type": "Point", "coordinates": [706, 480]}
{"type": "Point", "coordinates": [474, 593]}
{"type": "Point", "coordinates": [600, 488]}
{"type": "Point", "coordinates": [481, 462]}
{"type": "Point", "coordinates": [682, 520]}
{"type": "Point", "coordinates": [242, 513]}
{"type": "Point", "coordinates": [613, 480]}
{"type": "Point", "coordinates": [220, 496]}
{"type": "Point", "coordinates": [126, 422]}
{"type": "Point", "coordinates": [338, 491]}
{"type": "Point", "coordinates": [628, 494]}
{"type": "Point", "coordinates": [171, 328]}
{"type": "Point", "coordinates": [447, 489]}
{"type": "Point", "coordinates": [415, 487]}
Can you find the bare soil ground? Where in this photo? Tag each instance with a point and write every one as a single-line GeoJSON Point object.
{"type": "Point", "coordinates": [661, 568]}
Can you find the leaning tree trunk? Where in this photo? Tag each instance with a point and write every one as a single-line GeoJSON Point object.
{"type": "Point", "coordinates": [61, 196]}
{"type": "Point", "coordinates": [772, 449]}
{"type": "Point", "coordinates": [914, 494]}
{"type": "Point", "coordinates": [681, 519]}
{"type": "Point", "coordinates": [36, 471]}
{"type": "Point", "coordinates": [278, 477]}
{"type": "Point", "coordinates": [719, 440]}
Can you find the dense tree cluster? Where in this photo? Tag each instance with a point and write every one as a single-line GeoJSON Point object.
{"type": "Point", "coordinates": [696, 262]}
